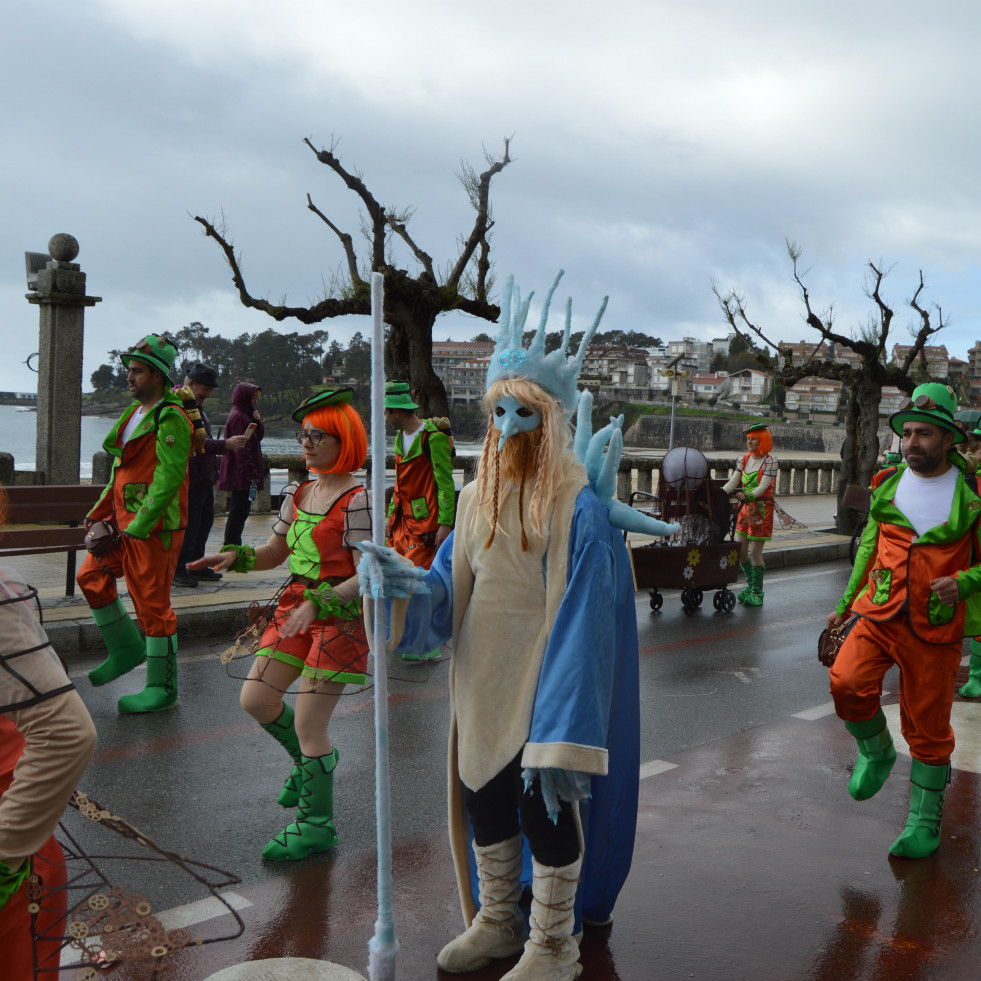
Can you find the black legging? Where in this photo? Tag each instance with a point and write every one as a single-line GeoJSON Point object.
{"type": "Point", "coordinates": [239, 507]}
{"type": "Point", "coordinates": [502, 808]}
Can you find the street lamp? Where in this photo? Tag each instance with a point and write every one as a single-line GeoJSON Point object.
{"type": "Point", "coordinates": [671, 372]}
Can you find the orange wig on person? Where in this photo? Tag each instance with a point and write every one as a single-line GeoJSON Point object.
{"type": "Point", "coordinates": [766, 440]}
{"type": "Point", "coordinates": [344, 423]}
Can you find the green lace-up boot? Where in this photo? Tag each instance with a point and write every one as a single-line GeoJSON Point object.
{"type": "Point", "coordinates": [161, 678]}
{"type": "Point", "coordinates": [313, 830]}
{"type": "Point", "coordinates": [972, 687]}
{"type": "Point", "coordinates": [746, 567]}
{"type": "Point", "coordinates": [876, 756]}
{"type": "Point", "coordinates": [921, 836]}
{"type": "Point", "coordinates": [284, 732]}
{"type": "Point", "coordinates": [123, 641]}
{"type": "Point", "coordinates": [755, 598]}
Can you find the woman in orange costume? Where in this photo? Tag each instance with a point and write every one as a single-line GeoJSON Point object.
{"type": "Point", "coordinates": [316, 634]}
{"type": "Point", "coordinates": [46, 740]}
{"type": "Point", "coordinates": [753, 484]}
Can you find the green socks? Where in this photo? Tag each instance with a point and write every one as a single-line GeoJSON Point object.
{"type": "Point", "coordinates": [313, 830]}
{"type": "Point", "coordinates": [972, 687]}
{"type": "Point", "coordinates": [123, 641]}
{"type": "Point", "coordinates": [921, 836]}
{"type": "Point", "coordinates": [755, 597]}
{"type": "Point", "coordinates": [284, 732]}
{"type": "Point", "coordinates": [161, 678]}
{"type": "Point", "coordinates": [876, 756]}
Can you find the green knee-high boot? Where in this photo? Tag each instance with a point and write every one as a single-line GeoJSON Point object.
{"type": "Point", "coordinates": [123, 641]}
{"type": "Point", "coordinates": [161, 678]}
{"type": "Point", "coordinates": [284, 732]}
{"type": "Point", "coordinates": [921, 836]}
{"type": "Point", "coordinates": [313, 830]}
{"type": "Point", "coordinates": [876, 756]}
{"type": "Point", "coordinates": [972, 687]}
{"type": "Point", "coordinates": [746, 567]}
{"type": "Point", "coordinates": [755, 598]}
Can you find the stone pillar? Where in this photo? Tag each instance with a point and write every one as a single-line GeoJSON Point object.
{"type": "Point", "coordinates": [60, 294]}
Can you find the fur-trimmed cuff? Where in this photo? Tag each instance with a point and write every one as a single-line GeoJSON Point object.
{"type": "Point", "coordinates": [325, 600]}
{"type": "Point", "coordinates": [246, 557]}
{"type": "Point", "coordinates": [567, 756]}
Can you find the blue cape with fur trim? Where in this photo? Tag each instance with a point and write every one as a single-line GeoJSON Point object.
{"type": "Point", "coordinates": [587, 696]}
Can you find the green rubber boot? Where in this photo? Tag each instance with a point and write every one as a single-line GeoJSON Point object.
{"type": "Point", "coordinates": [876, 756]}
{"type": "Point", "coordinates": [313, 830]}
{"type": "Point", "coordinates": [284, 732]}
{"type": "Point", "coordinates": [161, 678]}
{"type": "Point", "coordinates": [972, 687]}
{"type": "Point", "coordinates": [755, 598]}
{"type": "Point", "coordinates": [746, 567]}
{"type": "Point", "coordinates": [921, 836]}
{"type": "Point", "coordinates": [123, 641]}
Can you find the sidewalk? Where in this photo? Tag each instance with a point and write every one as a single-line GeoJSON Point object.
{"type": "Point", "coordinates": [216, 609]}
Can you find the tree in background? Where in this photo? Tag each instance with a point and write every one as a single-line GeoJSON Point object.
{"type": "Point", "coordinates": [862, 384]}
{"type": "Point", "coordinates": [412, 303]}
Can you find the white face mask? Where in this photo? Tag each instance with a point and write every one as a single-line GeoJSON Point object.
{"type": "Point", "coordinates": [511, 417]}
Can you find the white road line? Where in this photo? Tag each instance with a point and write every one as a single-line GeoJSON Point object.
{"type": "Point", "coordinates": [818, 712]}
{"type": "Point", "coordinates": [190, 914]}
{"type": "Point", "coordinates": [654, 767]}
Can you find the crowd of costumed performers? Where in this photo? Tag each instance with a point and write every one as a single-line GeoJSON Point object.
{"type": "Point", "coordinates": [544, 739]}
{"type": "Point", "coordinates": [316, 633]}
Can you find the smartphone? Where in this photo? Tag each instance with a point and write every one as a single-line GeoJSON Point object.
{"type": "Point", "coordinates": [250, 430]}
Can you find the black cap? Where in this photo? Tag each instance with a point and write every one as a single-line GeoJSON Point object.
{"type": "Point", "coordinates": [203, 374]}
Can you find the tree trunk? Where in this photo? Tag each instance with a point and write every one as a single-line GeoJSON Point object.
{"type": "Point", "coordinates": [409, 350]}
{"type": "Point", "coordinates": [860, 450]}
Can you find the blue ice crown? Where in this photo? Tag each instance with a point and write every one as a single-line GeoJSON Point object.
{"type": "Point", "coordinates": [557, 372]}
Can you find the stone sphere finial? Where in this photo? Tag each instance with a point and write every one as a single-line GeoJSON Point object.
{"type": "Point", "coordinates": [63, 247]}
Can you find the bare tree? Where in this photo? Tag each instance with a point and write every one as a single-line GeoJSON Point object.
{"type": "Point", "coordinates": [412, 303]}
{"type": "Point", "coordinates": [862, 384]}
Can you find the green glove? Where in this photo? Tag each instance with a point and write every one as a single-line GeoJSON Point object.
{"type": "Point", "coordinates": [10, 882]}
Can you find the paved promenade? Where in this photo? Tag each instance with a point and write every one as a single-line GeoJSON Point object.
{"type": "Point", "coordinates": [213, 609]}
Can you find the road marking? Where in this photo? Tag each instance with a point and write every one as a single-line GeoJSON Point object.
{"type": "Point", "coordinates": [654, 767]}
{"type": "Point", "coordinates": [201, 910]}
{"type": "Point", "coordinates": [818, 712]}
{"type": "Point", "coordinates": [749, 630]}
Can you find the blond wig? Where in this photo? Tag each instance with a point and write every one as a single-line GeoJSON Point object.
{"type": "Point", "coordinates": [529, 461]}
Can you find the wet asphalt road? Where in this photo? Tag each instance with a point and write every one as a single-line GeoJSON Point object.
{"type": "Point", "coordinates": [202, 779]}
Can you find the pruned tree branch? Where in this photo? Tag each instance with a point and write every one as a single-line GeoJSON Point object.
{"type": "Point", "coordinates": [347, 242]}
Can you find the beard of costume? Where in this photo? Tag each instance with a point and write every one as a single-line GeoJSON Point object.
{"type": "Point", "coordinates": [514, 464]}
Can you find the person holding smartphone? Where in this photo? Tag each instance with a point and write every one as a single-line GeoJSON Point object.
{"type": "Point", "coordinates": [242, 471]}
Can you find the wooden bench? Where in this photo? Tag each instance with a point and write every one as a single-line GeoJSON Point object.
{"type": "Point", "coordinates": [50, 505]}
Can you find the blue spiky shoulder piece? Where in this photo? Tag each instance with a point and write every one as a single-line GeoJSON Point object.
{"type": "Point", "coordinates": [600, 454]}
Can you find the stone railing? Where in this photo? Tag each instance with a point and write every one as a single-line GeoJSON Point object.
{"type": "Point", "coordinates": [636, 473]}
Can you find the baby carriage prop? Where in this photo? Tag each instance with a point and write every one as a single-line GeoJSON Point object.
{"type": "Point", "coordinates": [702, 554]}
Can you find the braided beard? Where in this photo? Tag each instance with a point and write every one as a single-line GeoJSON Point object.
{"type": "Point", "coordinates": [514, 464]}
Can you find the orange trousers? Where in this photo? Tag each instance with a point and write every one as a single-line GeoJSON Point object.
{"type": "Point", "coordinates": [148, 568]}
{"type": "Point", "coordinates": [16, 939]}
{"type": "Point", "coordinates": [927, 676]}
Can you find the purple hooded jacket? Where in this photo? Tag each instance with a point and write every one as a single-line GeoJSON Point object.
{"type": "Point", "coordinates": [239, 468]}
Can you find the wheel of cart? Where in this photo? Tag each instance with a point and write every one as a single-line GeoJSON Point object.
{"type": "Point", "coordinates": [724, 600]}
{"type": "Point", "coordinates": [701, 555]}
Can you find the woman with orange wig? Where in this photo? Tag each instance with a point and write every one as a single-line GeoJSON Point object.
{"type": "Point", "coordinates": [753, 483]}
{"type": "Point", "coordinates": [316, 634]}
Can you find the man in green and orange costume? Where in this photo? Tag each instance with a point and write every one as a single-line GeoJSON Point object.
{"type": "Point", "coordinates": [146, 500]}
{"type": "Point", "coordinates": [915, 589]}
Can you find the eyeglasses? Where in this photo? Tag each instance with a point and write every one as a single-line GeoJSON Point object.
{"type": "Point", "coordinates": [315, 437]}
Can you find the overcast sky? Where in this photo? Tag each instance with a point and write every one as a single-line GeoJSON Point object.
{"type": "Point", "coordinates": [658, 147]}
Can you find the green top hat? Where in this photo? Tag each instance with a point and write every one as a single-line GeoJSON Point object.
{"type": "Point", "coordinates": [156, 350]}
{"type": "Point", "coordinates": [755, 428]}
{"type": "Point", "coordinates": [329, 396]}
{"type": "Point", "coordinates": [397, 396]}
{"type": "Point", "coordinates": [930, 402]}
